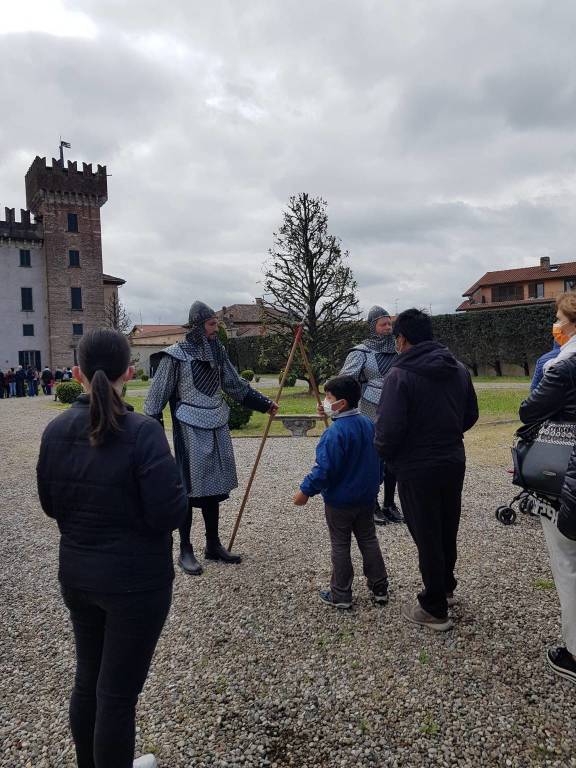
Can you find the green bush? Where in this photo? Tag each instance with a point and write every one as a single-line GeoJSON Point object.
{"type": "Point", "coordinates": [290, 379]}
{"type": "Point", "coordinates": [145, 377]}
{"type": "Point", "coordinates": [68, 391]}
{"type": "Point", "coordinates": [248, 374]}
{"type": "Point", "coordinates": [239, 416]}
{"type": "Point", "coordinates": [139, 373]}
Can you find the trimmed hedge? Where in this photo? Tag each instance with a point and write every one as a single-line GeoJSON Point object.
{"type": "Point", "coordinates": [255, 353]}
{"type": "Point", "coordinates": [68, 391]}
{"type": "Point", "coordinates": [239, 415]}
{"type": "Point", "coordinates": [492, 337]}
{"type": "Point", "coordinates": [488, 337]}
{"type": "Point", "coordinates": [248, 374]}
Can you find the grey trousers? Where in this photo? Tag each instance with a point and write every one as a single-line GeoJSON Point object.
{"type": "Point", "coordinates": [342, 523]}
{"type": "Point", "coordinates": [563, 561]}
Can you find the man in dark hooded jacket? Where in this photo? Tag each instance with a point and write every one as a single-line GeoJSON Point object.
{"type": "Point", "coordinates": [427, 403]}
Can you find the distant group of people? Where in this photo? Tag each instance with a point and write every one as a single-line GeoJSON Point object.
{"type": "Point", "coordinates": [399, 409]}
{"type": "Point", "coordinates": [27, 382]}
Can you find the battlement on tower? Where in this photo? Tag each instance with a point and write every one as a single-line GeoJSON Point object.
{"type": "Point", "coordinates": [25, 229]}
{"type": "Point", "coordinates": [43, 180]}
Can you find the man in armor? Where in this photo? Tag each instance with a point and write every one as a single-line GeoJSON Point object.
{"type": "Point", "coordinates": [368, 363]}
{"type": "Point", "coordinates": [192, 376]}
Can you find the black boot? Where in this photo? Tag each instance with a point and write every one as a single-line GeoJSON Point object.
{"type": "Point", "coordinates": [187, 561]}
{"type": "Point", "coordinates": [379, 517]}
{"type": "Point", "coordinates": [392, 514]}
{"type": "Point", "coordinates": [216, 551]}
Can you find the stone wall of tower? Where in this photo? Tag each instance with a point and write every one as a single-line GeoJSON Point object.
{"type": "Point", "coordinates": [52, 193]}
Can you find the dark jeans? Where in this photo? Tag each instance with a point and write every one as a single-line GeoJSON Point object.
{"type": "Point", "coordinates": [389, 487]}
{"type": "Point", "coordinates": [431, 503]}
{"type": "Point", "coordinates": [115, 635]}
{"type": "Point", "coordinates": [342, 523]}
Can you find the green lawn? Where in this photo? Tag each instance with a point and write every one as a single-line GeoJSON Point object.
{"type": "Point", "coordinates": [294, 400]}
{"type": "Point", "coordinates": [499, 403]}
{"type": "Point", "coordinates": [494, 404]}
{"type": "Point", "coordinates": [501, 379]}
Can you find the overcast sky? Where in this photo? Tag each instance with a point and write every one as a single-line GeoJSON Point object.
{"type": "Point", "coordinates": [441, 133]}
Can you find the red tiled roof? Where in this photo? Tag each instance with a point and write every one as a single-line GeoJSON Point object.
{"type": "Point", "coordinates": [524, 274]}
{"type": "Point", "coordinates": [469, 306]}
{"type": "Point", "coordinates": [142, 331]}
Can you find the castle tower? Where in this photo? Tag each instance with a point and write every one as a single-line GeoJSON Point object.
{"type": "Point", "coordinates": [67, 202]}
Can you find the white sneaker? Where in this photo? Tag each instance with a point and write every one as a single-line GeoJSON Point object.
{"type": "Point", "coordinates": [146, 761]}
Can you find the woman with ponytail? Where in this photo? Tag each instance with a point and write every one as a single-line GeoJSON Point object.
{"type": "Point", "coordinates": [106, 475]}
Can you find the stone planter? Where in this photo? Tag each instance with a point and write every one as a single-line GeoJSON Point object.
{"type": "Point", "coordinates": [298, 424]}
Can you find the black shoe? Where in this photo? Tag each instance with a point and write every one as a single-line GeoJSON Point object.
{"type": "Point", "coordinates": [380, 597]}
{"type": "Point", "coordinates": [188, 562]}
{"type": "Point", "coordinates": [392, 514]}
{"type": "Point", "coordinates": [379, 518]}
{"type": "Point", "coordinates": [215, 551]}
{"type": "Point", "coordinates": [562, 662]}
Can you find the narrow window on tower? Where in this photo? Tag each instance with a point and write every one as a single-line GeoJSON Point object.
{"type": "Point", "coordinates": [76, 298]}
{"type": "Point", "coordinates": [78, 329]}
{"type": "Point", "coordinates": [25, 259]}
{"type": "Point", "coordinates": [72, 222]}
{"type": "Point", "coordinates": [74, 258]}
{"type": "Point", "coordinates": [27, 329]}
{"type": "Point", "coordinates": [27, 303]}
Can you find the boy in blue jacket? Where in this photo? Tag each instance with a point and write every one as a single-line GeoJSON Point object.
{"type": "Point", "coordinates": [347, 473]}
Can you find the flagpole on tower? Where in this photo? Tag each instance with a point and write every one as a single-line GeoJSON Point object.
{"type": "Point", "coordinates": [62, 145]}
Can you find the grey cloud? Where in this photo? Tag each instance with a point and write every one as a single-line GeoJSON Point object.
{"type": "Point", "coordinates": [440, 134]}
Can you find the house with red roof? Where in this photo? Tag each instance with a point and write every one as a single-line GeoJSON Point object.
{"type": "Point", "coordinates": [525, 286]}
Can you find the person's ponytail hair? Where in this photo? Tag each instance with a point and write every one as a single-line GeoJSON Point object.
{"type": "Point", "coordinates": [104, 355]}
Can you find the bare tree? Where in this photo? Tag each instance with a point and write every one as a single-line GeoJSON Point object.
{"type": "Point", "coordinates": [306, 278]}
{"type": "Point", "coordinates": [116, 315]}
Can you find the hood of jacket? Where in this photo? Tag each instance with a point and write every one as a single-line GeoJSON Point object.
{"type": "Point", "coordinates": [430, 359]}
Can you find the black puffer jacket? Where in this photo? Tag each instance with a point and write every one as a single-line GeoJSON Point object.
{"type": "Point", "coordinates": [555, 398]}
{"type": "Point", "coordinates": [116, 505]}
{"type": "Point", "coordinates": [427, 403]}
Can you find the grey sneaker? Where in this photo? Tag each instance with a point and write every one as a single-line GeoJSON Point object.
{"type": "Point", "coordinates": [417, 615]}
{"type": "Point", "coordinates": [146, 761]}
{"type": "Point", "coordinates": [326, 597]}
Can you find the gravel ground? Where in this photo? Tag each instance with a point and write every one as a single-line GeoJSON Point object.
{"type": "Point", "coordinates": [252, 670]}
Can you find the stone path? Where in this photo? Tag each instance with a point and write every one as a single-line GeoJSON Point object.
{"type": "Point", "coordinates": [252, 670]}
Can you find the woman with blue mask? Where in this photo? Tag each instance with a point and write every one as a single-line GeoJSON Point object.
{"type": "Point", "coordinates": [368, 363]}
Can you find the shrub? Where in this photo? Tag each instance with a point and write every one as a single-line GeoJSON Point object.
{"type": "Point", "coordinates": [68, 391]}
{"type": "Point", "coordinates": [290, 379]}
{"type": "Point", "coordinates": [248, 374]}
{"type": "Point", "coordinates": [239, 415]}
{"type": "Point", "coordinates": [139, 373]}
{"type": "Point", "coordinates": [145, 377]}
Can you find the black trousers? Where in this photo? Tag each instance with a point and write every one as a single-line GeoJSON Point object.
{"type": "Point", "coordinates": [342, 523]}
{"type": "Point", "coordinates": [389, 487]}
{"type": "Point", "coordinates": [115, 636]}
{"type": "Point", "coordinates": [432, 503]}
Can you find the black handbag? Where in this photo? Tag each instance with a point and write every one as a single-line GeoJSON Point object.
{"type": "Point", "coordinates": [541, 455]}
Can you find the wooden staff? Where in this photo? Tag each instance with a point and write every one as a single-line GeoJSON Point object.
{"type": "Point", "coordinates": [297, 341]}
{"type": "Point", "coordinates": [312, 379]}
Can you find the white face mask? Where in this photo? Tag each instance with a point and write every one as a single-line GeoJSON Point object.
{"type": "Point", "coordinates": [327, 405]}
